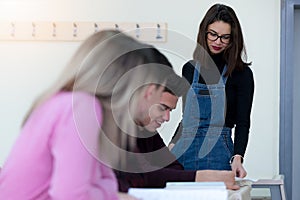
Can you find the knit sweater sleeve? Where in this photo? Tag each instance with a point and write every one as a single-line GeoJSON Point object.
{"type": "Point", "coordinates": [244, 89]}
{"type": "Point", "coordinates": [167, 168]}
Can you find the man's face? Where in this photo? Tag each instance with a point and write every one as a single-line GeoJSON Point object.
{"type": "Point", "coordinates": [160, 113]}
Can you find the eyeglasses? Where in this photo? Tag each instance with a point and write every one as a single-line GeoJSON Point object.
{"type": "Point", "coordinates": [225, 39]}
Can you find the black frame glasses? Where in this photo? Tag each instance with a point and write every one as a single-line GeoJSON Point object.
{"type": "Point", "coordinates": [225, 39]}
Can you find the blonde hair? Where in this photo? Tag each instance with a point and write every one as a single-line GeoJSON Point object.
{"type": "Point", "coordinates": [115, 68]}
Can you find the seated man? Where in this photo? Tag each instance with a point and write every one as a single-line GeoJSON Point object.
{"type": "Point", "coordinates": [162, 166]}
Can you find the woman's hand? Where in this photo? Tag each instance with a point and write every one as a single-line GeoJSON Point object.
{"type": "Point", "coordinates": [237, 167]}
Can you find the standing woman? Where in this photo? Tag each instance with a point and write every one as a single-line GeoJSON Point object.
{"type": "Point", "coordinates": [219, 99]}
{"type": "Point", "coordinates": [72, 132]}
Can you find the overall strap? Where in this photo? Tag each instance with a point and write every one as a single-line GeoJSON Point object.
{"type": "Point", "coordinates": [223, 77]}
{"type": "Point", "coordinates": [196, 72]}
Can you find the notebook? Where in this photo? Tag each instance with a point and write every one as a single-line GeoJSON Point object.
{"type": "Point", "coordinates": [183, 190]}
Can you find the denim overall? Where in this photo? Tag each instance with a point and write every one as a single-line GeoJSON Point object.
{"type": "Point", "coordinates": [205, 143]}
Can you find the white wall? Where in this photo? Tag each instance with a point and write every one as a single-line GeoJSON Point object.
{"type": "Point", "coordinates": [27, 68]}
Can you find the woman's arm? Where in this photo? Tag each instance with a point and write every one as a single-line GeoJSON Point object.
{"type": "Point", "coordinates": [244, 98]}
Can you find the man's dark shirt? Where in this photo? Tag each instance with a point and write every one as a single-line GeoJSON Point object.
{"type": "Point", "coordinates": [172, 172]}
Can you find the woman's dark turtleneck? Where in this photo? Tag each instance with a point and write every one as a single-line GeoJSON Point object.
{"type": "Point", "coordinates": [211, 77]}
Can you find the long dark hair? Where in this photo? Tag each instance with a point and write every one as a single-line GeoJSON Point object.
{"type": "Point", "coordinates": [235, 52]}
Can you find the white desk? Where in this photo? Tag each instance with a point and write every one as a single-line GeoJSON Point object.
{"type": "Point", "coordinates": [179, 192]}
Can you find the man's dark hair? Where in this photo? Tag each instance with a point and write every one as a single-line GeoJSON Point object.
{"type": "Point", "coordinates": [176, 86]}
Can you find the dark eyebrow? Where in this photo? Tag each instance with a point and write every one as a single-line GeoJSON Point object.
{"type": "Point", "coordinates": [212, 31]}
{"type": "Point", "coordinates": [218, 33]}
{"type": "Point", "coordinates": [166, 107]}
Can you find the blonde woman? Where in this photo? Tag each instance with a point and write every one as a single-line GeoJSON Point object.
{"type": "Point", "coordinates": [79, 126]}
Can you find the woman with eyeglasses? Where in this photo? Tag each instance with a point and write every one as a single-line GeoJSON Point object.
{"type": "Point", "coordinates": [219, 99]}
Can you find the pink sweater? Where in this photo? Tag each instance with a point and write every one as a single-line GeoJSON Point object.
{"type": "Point", "coordinates": [50, 160]}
